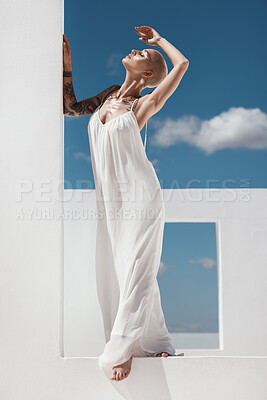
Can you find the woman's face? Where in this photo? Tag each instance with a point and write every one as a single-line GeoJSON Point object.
{"type": "Point", "coordinates": [138, 60]}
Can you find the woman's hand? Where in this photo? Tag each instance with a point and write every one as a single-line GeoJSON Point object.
{"type": "Point", "coordinates": [149, 35]}
{"type": "Point", "coordinates": [66, 54]}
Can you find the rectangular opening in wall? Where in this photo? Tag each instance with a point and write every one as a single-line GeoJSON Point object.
{"type": "Point", "coordinates": [188, 282]}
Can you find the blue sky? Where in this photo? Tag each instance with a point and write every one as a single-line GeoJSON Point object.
{"type": "Point", "coordinates": [211, 132]}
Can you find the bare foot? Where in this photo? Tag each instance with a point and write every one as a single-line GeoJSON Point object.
{"type": "Point", "coordinates": [121, 371]}
{"type": "Point", "coordinates": [162, 355]}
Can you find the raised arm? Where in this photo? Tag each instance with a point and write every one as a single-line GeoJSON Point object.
{"type": "Point", "coordinates": [180, 64]}
{"type": "Point", "coordinates": [72, 107]}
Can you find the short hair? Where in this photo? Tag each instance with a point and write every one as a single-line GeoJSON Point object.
{"type": "Point", "coordinates": [161, 71]}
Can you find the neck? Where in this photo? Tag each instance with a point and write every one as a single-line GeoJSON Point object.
{"type": "Point", "coordinates": [130, 87]}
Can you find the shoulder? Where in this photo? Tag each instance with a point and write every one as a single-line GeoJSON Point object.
{"type": "Point", "coordinates": [144, 109]}
{"type": "Point", "coordinates": [142, 100]}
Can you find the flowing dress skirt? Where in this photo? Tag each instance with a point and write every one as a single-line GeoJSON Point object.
{"type": "Point", "coordinates": [130, 227]}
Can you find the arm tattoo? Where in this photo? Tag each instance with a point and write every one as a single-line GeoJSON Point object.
{"type": "Point", "coordinates": [83, 107]}
{"type": "Point", "coordinates": [127, 102]}
{"type": "Point", "coordinates": [67, 74]}
{"type": "Point", "coordinates": [68, 89]}
{"type": "Point", "coordinates": [109, 91]}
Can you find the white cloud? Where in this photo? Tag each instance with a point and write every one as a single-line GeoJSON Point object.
{"type": "Point", "coordinates": [236, 128]}
{"type": "Point", "coordinates": [205, 262]}
{"type": "Point", "coordinates": [155, 162]}
{"type": "Point", "coordinates": [114, 63]}
{"type": "Point", "coordinates": [162, 268]}
{"type": "Point", "coordinates": [82, 156]}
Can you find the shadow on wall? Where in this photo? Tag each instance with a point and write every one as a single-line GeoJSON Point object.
{"type": "Point", "coordinates": [147, 379]}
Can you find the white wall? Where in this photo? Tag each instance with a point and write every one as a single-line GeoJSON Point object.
{"type": "Point", "coordinates": [32, 255]}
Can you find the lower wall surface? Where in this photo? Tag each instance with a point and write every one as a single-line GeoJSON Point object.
{"type": "Point", "coordinates": [156, 379]}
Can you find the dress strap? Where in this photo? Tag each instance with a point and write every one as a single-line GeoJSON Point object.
{"type": "Point", "coordinates": [146, 121]}
{"type": "Point", "coordinates": [134, 102]}
{"type": "Point", "coordinates": [145, 135]}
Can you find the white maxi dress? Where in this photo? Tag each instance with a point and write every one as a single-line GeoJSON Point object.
{"type": "Point", "coordinates": [130, 225]}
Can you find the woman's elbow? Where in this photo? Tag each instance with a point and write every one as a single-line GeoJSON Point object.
{"type": "Point", "coordinates": [186, 63]}
{"type": "Point", "coordinates": [70, 112]}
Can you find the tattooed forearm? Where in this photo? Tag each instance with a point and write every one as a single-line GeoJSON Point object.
{"type": "Point", "coordinates": [73, 108]}
{"type": "Point", "coordinates": [85, 106]}
{"type": "Point", "coordinates": [68, 93]}
{"type": "Point", "coordinates": [67, 74]}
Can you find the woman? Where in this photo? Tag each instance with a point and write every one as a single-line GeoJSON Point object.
{"type": "Point", "coordinates": [131, 223]}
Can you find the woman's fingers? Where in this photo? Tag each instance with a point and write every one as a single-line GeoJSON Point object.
{"type": "Point", "coordinates": [143, 37]}
{"type": "Point", "coordinates": [145, 32]}
{"type": "Point", "coordinates": [148, 35]}
{"type": "Point", "coordinates": [140, 32]}
{"type": "Point", "coordinates": [67, 42]}
{"type": "Point", "coordinates": [143, 28]}
{"type": "Point", "coordinates": [68, 46]}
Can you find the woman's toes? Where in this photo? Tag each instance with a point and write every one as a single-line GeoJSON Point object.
{"type": "Point", "coordinates": [163, 354]}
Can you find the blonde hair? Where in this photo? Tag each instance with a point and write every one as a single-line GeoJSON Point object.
{"type": "Point", "coordinates": [160, 72]}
